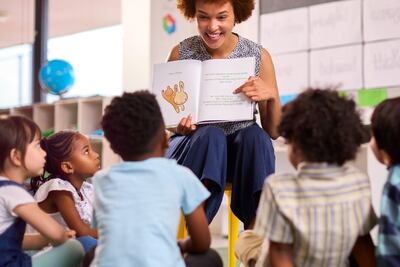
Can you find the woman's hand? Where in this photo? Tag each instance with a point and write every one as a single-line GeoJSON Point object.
{"type": "Point", "coordinates": [256, 89]}
{"type": "Point", "coordinates": [185, 126]}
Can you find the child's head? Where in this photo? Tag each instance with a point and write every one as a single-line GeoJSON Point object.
{"type": "Point", "coordinates": [134, 126]}
{"type": "Point", "coordinates": [19, 145]}
{"type": "Point", "coordinates": [321, 126]}
{"type": "Point", "coordinates": [385, 124]}
{"type": "Point", "coordinates": [69, 153]}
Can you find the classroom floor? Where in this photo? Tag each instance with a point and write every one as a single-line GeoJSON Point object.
{"type": "Point", "coordinates": [220, 244]}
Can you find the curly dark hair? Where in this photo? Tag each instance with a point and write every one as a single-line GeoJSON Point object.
{"type": "Point", "coordinates": [131, 124]}
{"type": "Point", "coordinates": [241, 8]}
{"type": "Point", "coordinates": [385, 125]}
{"type": "Point", "coordinates": [324, 126]}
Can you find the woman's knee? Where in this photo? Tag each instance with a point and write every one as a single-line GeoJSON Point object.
{"type": "Point", "coordinates": [253, 135]}
{"type": "Point", "coordinates": [209, 134]}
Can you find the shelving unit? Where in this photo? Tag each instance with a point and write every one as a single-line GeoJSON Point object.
{"type": "Point", "coordinates": [43, 115]}
{"type": "Point", "coordinates": [82, 114]}
{"type": "Point", "coordinates": [66, 115]}
{"type": "Point", "coordinates": [26, 111]}
{"type": "Point", "coordinates": [4, 112]}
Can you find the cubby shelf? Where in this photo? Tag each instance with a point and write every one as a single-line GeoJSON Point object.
{"type": "Point", "coordinates": [81, 114]}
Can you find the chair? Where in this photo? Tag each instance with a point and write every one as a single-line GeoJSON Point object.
{"type": "Point", "coordinates": [233, 228]}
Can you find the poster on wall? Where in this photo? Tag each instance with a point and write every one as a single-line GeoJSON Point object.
{"type": "Point", "coordinates": [285, 31]}
{"type": "Point", "coordinates": [168, 28]}
{"type": "Point", "coordinates": [291, 72]}
{"type": "Point", "coordinates": [382, 64]}
{"type": "Point", "coordinates": [381, 19]}
{"type": "Point", "coordinates": [338, 67]}
{"type": "Point", "coordinates": [335, 23]}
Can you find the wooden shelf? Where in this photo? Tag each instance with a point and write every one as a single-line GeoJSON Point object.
{"type": "Point", "coordinates": [82, 114]}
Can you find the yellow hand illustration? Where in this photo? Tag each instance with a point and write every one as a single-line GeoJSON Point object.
{"type": "Point", "coordinates": [169, 96]}
{"type": "Point", "coordinates": [181, 96]}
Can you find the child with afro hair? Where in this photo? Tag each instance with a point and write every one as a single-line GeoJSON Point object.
{"type": "Point", "coordinates": [138, 202]}
{"type": "Point", "coordinates": [323, 213]}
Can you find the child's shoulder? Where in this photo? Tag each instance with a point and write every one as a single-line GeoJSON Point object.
{"type": "Point", "coordinates": [280, 178]}
{"type": "Point", "coordinates": [55, 184]}
{"type": "Point", "coordinates": [161, 165]}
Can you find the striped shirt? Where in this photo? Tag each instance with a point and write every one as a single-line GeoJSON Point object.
{"type": "Point", "coordinates": [388, 249]}
{"type": "Point", "coordinates": [321, 211]}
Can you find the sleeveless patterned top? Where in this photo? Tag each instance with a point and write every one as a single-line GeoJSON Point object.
{"type": "Point", "coordinates": [193, 48]}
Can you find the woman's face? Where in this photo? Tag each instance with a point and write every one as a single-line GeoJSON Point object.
{"type": "Point", "coordinates": [215, 22]}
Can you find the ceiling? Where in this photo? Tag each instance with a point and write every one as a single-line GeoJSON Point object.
{"type": "Point", "coordinates": [65, 17]}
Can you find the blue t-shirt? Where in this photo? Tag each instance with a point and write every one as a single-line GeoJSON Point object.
{"type": "Point", "coordinates": [137, 211]}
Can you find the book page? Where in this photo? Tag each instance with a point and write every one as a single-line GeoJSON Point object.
{"type": "Point", "coordinates": [176, 86]}
{"type": "Point", "coordinates": [220, 77]}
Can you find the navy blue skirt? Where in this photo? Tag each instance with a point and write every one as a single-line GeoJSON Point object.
{"type": "Point", "coordinates": [244, 158]}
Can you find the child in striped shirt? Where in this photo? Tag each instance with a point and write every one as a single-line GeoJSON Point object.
{"type": "Point", "coordinates": [323, 213]}
{"type": "Point", "coordinates": [385, 144]}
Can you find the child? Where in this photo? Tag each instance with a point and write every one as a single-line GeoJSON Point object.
{"type": "Point", "coordinates": [138, 202]}
{"type": "Point", "coordinates": [21, 157]}
{"type": "Point", "coordinates": [385, 144]}
{"type": "Point", "coordinates": [65, 194]}
{"type": "Point", "coordinates": [320, 215]}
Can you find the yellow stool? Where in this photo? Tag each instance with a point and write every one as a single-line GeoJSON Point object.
{"type": "Point", "coordinates": [233, 229]}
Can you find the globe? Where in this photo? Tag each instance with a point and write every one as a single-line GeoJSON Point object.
{"type": "Point", "coordinates": [56, 76]}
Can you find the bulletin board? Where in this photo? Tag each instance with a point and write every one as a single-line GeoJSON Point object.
{"type": "Point", "coordinates": [353, 45]}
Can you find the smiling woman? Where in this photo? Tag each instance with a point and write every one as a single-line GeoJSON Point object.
{"type": "Point", "coordinates": [237, 152]}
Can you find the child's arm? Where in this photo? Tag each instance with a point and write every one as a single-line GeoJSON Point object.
{"type": "Point", "coordinates": [364, 251]}
{"type": "Point", "coordinates": [38, 241]}
{"type": "Point", "coordinates": [280, 254]}
{"type": "Point", "coordinates": [199, 240]}
{"type": "Point", "coordinates": [66, 206]}
{"type": "Point", "coordinates": [52, 232]}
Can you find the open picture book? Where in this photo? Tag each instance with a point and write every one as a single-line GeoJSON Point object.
{"type": "Point", "coordinates": [203, 89]}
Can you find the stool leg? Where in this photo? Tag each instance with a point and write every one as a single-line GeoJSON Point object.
{"type": "Point", "coordinates": [182, 231]}
{"type": "Point", "coordinates": [233, 225]}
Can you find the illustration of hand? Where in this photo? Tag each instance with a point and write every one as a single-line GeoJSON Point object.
{"type": "Point", "coordinates": [169, 96]}
{"type": "Point", "coordinates": [181, 96]}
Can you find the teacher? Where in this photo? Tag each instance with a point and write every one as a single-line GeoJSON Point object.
{"type": "Point", "coordinates": [237, 152]}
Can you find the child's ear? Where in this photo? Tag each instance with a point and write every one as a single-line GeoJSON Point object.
{"type": "Point", "coordinates": [16, 157]}
{"type": "Point", "coordinates": [67, 167]}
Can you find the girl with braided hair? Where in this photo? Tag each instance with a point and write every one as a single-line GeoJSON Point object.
{"type": "Point", "coordinates": [65, 194]}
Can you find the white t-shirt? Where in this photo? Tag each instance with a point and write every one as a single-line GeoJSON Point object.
{"type": "Point", "coordinates": [84, 206]}
{"type": "Point", "coordinates": [11, 196]}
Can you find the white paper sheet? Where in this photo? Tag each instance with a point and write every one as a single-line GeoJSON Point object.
{"type": "Point", "coordinates": [381, 19]}
{"type": "Point", "coordinates": [291, 72]}
{"type": "Point", "coordinates": [335, 23]}
{"type": "Point", "coordinates": [382, 64]}
{"type": "Point", "coordinates": [285, 31]}
{"type": "Point", "coordinates": [340, 67]}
